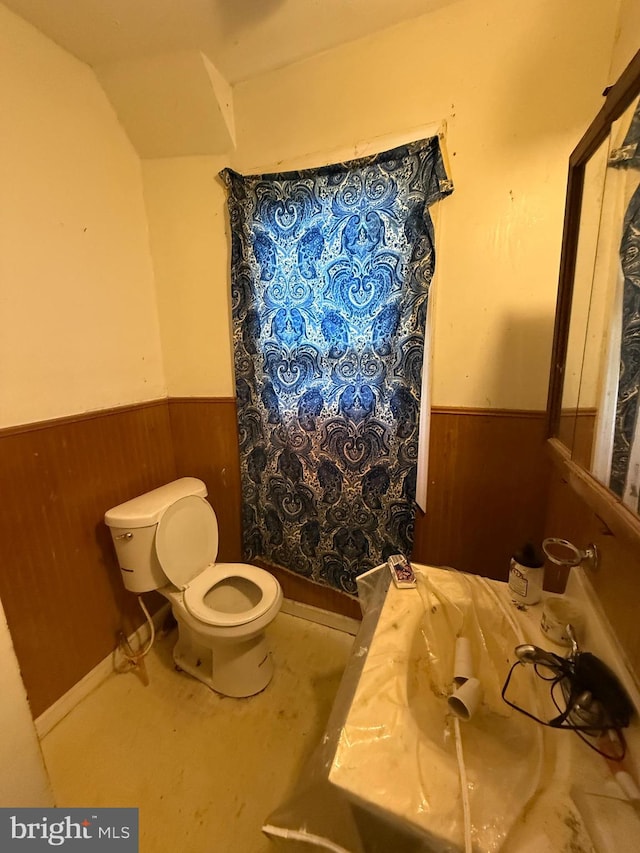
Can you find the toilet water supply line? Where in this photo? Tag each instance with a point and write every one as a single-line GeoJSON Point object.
{"type": "Point", "coordinates": [128, 653]}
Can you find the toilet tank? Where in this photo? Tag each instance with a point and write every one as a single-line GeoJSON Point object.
{"type": "Point", "coordinates": [133, 530]}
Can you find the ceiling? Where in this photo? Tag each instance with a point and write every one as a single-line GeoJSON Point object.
{"type": "Point", "coordinates": [169, 66]}
{"type": "Point", "coordinates": [242, 38]}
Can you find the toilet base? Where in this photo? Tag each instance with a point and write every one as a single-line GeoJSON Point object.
{"type": "Point", "coordinates": [231, 667]}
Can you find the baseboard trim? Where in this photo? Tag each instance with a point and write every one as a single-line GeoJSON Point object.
{"type": "Point", "coordinates": [321, 617]}
{"type": "Point", "coordinates": [67, 702]}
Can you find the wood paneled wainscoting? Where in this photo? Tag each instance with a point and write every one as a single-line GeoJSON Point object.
{"type": "Point", "coordinates": [615, 581]}
{"type": "Point", "coordinates": [205, 445]}
{"type": "Point", "coordinates": [59, 579]}
{"type": "Point", "coordinates": [488, 482]}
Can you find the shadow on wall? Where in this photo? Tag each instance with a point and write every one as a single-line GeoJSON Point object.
{"type": "Point", "coordinates": [542, 69]}
{"type": "Point", "coordinates": [521, 359]}
{"type": "Point", "coordinates": [242, 15]}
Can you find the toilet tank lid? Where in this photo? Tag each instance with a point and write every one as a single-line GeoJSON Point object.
{"type": "Point", "coordinates": [145, 510]}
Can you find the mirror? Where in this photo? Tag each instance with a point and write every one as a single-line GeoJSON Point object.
{"type": "Point", "coordinates": [594, 411]}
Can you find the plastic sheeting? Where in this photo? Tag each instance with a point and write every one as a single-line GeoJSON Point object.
{"type": "Point", "coordinates": [395, 770]}
{"type": "Point", "coordinates": [319, 815]}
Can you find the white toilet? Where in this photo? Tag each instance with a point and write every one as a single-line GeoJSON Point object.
{"type": "Point", "coordinates": [167, 540]}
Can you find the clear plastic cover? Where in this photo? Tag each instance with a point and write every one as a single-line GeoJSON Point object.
{"type": "Point", "coordinates": [319, 815]}
{"type": "Point", "coordinates": [398, 771]}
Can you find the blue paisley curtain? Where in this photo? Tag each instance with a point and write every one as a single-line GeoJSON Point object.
{"type": "Point", "coordinates": [626, 420]}
{"type": "Point", "coordinates": [330, 275]}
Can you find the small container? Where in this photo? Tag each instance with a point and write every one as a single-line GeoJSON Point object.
{"type": "Point", "coordinates": [526, 575]}
{"type": "Point", "coordinates": [401, 572]}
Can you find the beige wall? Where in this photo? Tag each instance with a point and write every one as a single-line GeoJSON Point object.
{"type": "Point", "coordinates": [186, 206]}
{"type": "Point", "coordinates": [23, 780]}
{"type": "Point", "coordinates": [78, 319]}
{"type": "Point", "coordinates": [516, 87]}
{"type": "Point", "coordinates": [627, 41]}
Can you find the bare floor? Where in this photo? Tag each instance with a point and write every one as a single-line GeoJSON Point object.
{"type": "Point", "coordinates": [204, 770]}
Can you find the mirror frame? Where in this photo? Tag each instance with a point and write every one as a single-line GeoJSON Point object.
{"type": "Point", "coordinates": [619, 518]}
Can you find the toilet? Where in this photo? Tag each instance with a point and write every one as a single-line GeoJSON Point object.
{"type": "Point", "coordinates": [167, 540]}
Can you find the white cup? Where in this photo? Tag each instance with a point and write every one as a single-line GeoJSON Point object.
{"type": "Point", "coordinates": [463, 661]}
{"type": "Point", "coordinates": [465, 701]}
{"type": "Point", "coordinates": [557, 613]}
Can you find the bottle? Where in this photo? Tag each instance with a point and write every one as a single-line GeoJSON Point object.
{"type": "Point", "coordinates": [526, 574]}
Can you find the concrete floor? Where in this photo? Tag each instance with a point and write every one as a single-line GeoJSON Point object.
{"type": "Point", "coordinates": [204, 770]}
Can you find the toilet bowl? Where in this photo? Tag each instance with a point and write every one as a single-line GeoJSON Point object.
{"type": "Point", "coordinates": [167, 540]}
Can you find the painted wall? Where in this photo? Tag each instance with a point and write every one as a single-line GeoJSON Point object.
{"type": "Point", "coordinates": [78, 320]}
{"type": "Point", "coordinates": [627, 40]}
{"type": "Point", "coordinates": [517, 86]}
{"type": "Point", "coordinates": [24, 780]}
{"type": "Point", "coordinates": [186, 206]}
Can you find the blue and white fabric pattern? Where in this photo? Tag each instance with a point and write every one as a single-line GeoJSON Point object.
{"type": "Point", "coordinates": [330, 275]}
{"type": "Point", "coordinates": [626, 421]}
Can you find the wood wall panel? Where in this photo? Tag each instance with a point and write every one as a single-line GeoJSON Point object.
{"type": "Point", "coordinates": [205, 444]}
{"type": "Point", "coordinates": [576, 431]}
{"type": "Point", "coordinates": [488, 479]}
{"type": "Point", "coordinates": [616, 579]}
{"type": "Point", "coordinates": [59, 579]}
{"type": "Point", "coordinates": [487, 487]}
{"type": "Point", "coordinates": [298, 588]}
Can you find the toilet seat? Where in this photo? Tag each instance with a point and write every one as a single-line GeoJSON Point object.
{"type": "Point", "coordinates": [187, 546]}
{"type": "Point", "coordinates": [215, 574]}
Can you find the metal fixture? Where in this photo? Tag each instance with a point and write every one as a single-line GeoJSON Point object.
{"type": "Point", "coordinates": [589, 556]}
